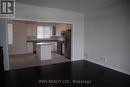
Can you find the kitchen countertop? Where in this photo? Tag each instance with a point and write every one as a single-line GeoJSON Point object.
{"type": "Point", "coordinates": [43, 44]}
{"type": "Point", "coordinates": [35, 40]}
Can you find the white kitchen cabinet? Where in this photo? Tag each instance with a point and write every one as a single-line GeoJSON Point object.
{"type": "Point", "coordinates": [53, 46]}
{"type": "Point", "coordinates": [44, 51]}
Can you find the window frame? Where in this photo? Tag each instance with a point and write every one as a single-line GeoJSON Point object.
{"type": "Point", "coordinates": [44, 36]}
{"type": "Point", "coordinates": [10, 34]}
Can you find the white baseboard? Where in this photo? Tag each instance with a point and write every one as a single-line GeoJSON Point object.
{"type": "Point", "coordinates": [77, 59]}
{"type": "Point", "coordinates": [109, 66]}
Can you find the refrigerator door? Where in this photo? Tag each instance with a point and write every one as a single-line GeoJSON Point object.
{"type": "Point", "coordinates": [68, 44]}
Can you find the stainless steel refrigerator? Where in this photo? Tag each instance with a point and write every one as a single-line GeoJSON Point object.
{"type": "Point", "coordinates": [67, 43]}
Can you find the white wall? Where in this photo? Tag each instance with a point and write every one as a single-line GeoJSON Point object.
{"type": "Point", "coordinates": [4, 42]}
{"type": "Point", "coordinates": [62, 27]}
{"type": "Point", "coordinates": [19, 45]}
{"type": "Point", "coordinates": [30, 12]}
{"type": "Point", "coordinates": [107, 35]}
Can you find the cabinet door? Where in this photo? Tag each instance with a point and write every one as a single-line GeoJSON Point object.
{"type": "Point", "coordinates": [53, 46]}
{"type": "Point", "coordinates": [68, 44]}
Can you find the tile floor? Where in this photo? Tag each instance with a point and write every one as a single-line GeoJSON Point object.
{"type": "Point", "coordinates": [30, 60]}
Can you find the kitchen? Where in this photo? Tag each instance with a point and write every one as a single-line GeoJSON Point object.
{"type": "Point", "coordinates": [28, 37]}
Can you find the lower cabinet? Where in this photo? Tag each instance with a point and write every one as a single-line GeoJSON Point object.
{"type": "Point", "coordinates": [44, 51]}
{"type": "Point", "coordinates": [53, 46]}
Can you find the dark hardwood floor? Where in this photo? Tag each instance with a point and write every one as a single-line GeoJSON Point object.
{"type": "Point", "coordinates": [70, 74]}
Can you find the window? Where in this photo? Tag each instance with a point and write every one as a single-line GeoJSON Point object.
{"type": "Point", "coordinates": [44, 32]}
{"type": "Point", "coordinates": [10, 34]}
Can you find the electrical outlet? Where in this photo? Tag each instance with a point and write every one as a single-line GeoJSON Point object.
{"type": "Point", "coordinates": [102, 59]}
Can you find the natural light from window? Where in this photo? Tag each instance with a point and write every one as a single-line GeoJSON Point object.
{"type": "Point", "coordinates": [10, 34]}
{"type": "Point", "coordinates": [44, 32]}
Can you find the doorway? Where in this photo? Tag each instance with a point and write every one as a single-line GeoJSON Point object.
{"type": "Point", "coordinates": [23, 37]}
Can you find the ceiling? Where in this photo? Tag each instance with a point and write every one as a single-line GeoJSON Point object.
{"type": "Point", "coordinates": [74, 5]}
